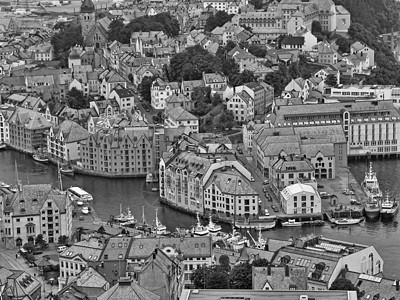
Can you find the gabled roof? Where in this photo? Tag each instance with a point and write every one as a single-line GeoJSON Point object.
{"type": "Point", "coordinates": [126, 289]}
{"type": "Point", "coordinates": [72, 132]}
{"type": "Point", "coordinates": [180, 114]}
{"type": "Point", "coordinates": [113, 76]}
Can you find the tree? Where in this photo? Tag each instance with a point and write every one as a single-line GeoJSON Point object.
{"type": "Point", "coordinates": [258, 4]}
{"type": "Point", "coordinates": [242, 78]}
{"type": "Point", "coordinates": [29, 247]}
{"type": "Point", "coordinates": [76, 99]}
{"type": "Point", "coordinates": [145, 87]}
{"type": "Point", "coordinates": [224, 262]}
{"type": "Point", "coordinates": [69, 36]}
{"type": "Point", "coordinates": [160, 22]}
{"type": "Point", "coordinates": [260, 263]}
{"type": "Point", "coordinates": [30, 258]}
{"type": "Point", "coordinates": [116, 32]}
{"type": "Point", "coordinates": [316, 27]}
{"type": "Point", "coordinates": [257, 50]}
{"type": "Point", "coordinates": [331, 80]}
{"type": "Point", "coordinates": [210, 277]}
{"type": "Point", "coordinates": [202, 99]}
{"type": "Point", "coordinates": [62, 240]}
{"type": "Point", "coordinates": [343, 284]}
{"type": "Point", "coordinates": [39, 241]}
{"type": "Point", "coordinates": [217, 20]}
{"type": "Point", "coordinates": [240, 277]}
{"type": "Point", "coordinates": [101, 229]}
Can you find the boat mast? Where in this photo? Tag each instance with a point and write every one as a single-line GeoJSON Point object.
{"type": "Point", "coordinates": [59, 175]}
{"type": "Point", "coordinates": [143, 217]}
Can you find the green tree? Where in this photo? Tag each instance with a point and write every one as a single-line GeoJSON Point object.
{"type": "Point", "coordinates": [76, 99]}
{"type": "Point", "coordinates": [144, 87]}
{"type": "Point", "coordinates": [258, 4]}
{"type": "Point", "coordinates": [260, 263]}
{"type": "Point", "coordinates": [224, 262]}
{"type": "Point", "coordinates": [242, 78]}
{"type": "Point", "coordinates": [331, 80]}
{"type": "Point", "coordinates": [62, 240]}
{"type": "Point", "coordinates": [116, 32]}
{"type": "Point", "coordinates": [257, 50]}
{"type": "Point", "coordinates": [343, 284]}
{"type": "Point", "coordinates": [30, 258]}
{"type": "Point", "coordinates": [39, 241]}
{"type": "Point", "coordinates": [240, 277]}
{"type": "Point", "coordinates": [160, 22]}
{"type": "Point", "coordinates": [217, 20]}
{"type": "Point", "coordinates": [210, 277]}
{"type": "Point", "coordinates": [29, 247]}
{"type": "Point", "coordinates": [316, 27]}
{"type": "Point", "coordinates": [62, 41]}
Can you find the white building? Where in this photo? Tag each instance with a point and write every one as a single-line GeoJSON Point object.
{"type": "Point", "coordinates": [300, 198]}
{"type": "Point", "coordinates": [4, 126]}
{"type": "Point", "coordinates": [161, 90]}
{"type": "Point", "coordinates": [179, 117]}
{"type": "Point", "coordinates": [124, 97]}
{"type": "Point", "coordinates": [228, 6]}
{"type": "Point", "coordinates": [63, 141]}
{"type": "Point", "coordinates": [109, 81]}
{"type": "Point", "coordinates": [242, 106]}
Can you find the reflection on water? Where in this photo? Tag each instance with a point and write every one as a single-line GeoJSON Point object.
{"type": "Point", "coordinates": [134, 193]}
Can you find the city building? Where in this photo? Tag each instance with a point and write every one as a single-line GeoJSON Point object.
{"type": "Point", "coordinates": [63, 141]}
{"type": "Point", "coordinates": [33, 210]}
{"type": "Point", "coordinates": [229, 193]}
{"type": "Point", "coordinates": [363, 49]}
{"type": "Point", "coordinates": [160, 91]}
{"type": "Point", "coordinates": [5, 113]}
{"type": "Point", "coordinates": [325, 259]}
{"type": "Point", "coordinates": [300, 198]}
{"type": "Point", "coordinates": [19, 284]}
{"type": "Point", "coordinates": [28, 130]}
{"type": "Point", "coordinates": [242, 107]}
{"type": "Point", "coordinates": [280, 278]}
{"type": "Point", "coordinates": [127, 289]}
{"type": "Point", "coordinates": [228, 6]}
{"type": "Point", "coordinates": [193, 251]}
{"type": "Point", "coordinates": [109, 81]}
{"type": "Point", "coordinates": [187, 87]}
{"type": "Point", "coordinates": [79, 257]}
{"type": "Point", "coordinates": [179, 100]}
{"type": "Point", "coordinates": [119, 152]}
{"type": "Point", "coordinates": [124, 97]}
{"type": "Point", "coordinates": [215, 81]}
{"type": "Point", "coordinates": [326, 53]}
{"type": "Point", "coordinates": [179, 117]}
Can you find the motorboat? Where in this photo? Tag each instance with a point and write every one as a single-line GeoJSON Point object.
{"type": "Point", "coordinates": [4, 185]}
{"type": "Point", "coordinates": [159, 228]}
{"type": "Point", "coordinates": [370, 185]}
{"type": "Point", "coordinates": [347, 221]}
{"type": "Point", "coordinates": [237, 241]}
{"type": "Point", "coordinates": [291, 223]}
{"type": "Point", "coordinates": [85, 210]}
{"type": "Point", "coordinates": [79, 202]}
{"type": "Point", "coordinates": [260, 242]}
{"type": "Point", "coordinates": [212, 227]}
{"type": "Point", "coordinates": [372, 208]}
{"type": "Point", "coordinates": [200, 230]}
{"type": "Point", "coordinates": [67, 170]}
{"type": "Point", "coordinates": [149, 178]}
{"type": "Point", "coordinates": [3, 146]}
{"type": "Point", "coordinates": [124, 217]}
{"type": "Point", "coordinates": [42, 158]}
{"type": "Point", "coordinates": [389, 208]}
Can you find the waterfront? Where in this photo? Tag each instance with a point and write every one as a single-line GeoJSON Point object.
{"type": "Point", "coordinates": [110, 193]}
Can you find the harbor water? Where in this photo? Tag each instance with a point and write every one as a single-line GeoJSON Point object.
{"type": "Point", "coordinates": [134, 193]}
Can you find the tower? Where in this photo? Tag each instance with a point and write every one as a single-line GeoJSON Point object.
{"type": "Point", "coordinates": [87, 17]}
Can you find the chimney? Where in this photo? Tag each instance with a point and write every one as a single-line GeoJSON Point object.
{"type": "Point", "coordinates": [269, 270]}
{"type": "Point", "coordinates": [287, 271]}
{"type": "Point", "coordinates": [397, 285]}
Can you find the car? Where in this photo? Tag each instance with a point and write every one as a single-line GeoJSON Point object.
{"type": "Point", "coordinates": [252, 179]}
{"type": "Point", "coordinates": [276, 209]}
{"type": "Point", "coordinates": [269, 199]}
{"type": "Point", "coordinates": [265, 190]}
{"type": "Point", "coordinates": [346, 191]}
{"type": "Point", "coordinates": [320, 186]}
{"type": "Point", "coordinates": [324, 195]}
{"type": "Point", "coordinates": [61, 248]}
{"type": "Point", "coordinates": [265, 182]}
{"type": "Point", "coordinates": [273, 206]}
{"type": "Point", "coordinates": [266, 212]}
{"type": "Point", "coordinates": [140, 99]}
{"type": "Point", "coordinates": [355, 202]}
{"type": "Point", "coordinates": [147, 109]}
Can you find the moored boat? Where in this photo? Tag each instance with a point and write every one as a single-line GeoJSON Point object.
{"type": "Point", "coordinates": [260, 242]}
{"type": "Point", "coordinates": [370, 185]}
{"type": "Point", "coordinates": [389, 208]}
{"type": "Point", "coordinates": [200, 230]}
{"type": "Point", "coordinates": [349, 221]}
{"type": "Point", "coordinates": [42, 158]}
{"type": "Point", "coordinates": [291, 223]}
{"type": "Point", "coordinates": [3, 146]}
{"type": "Point", "coordinates": [236, 240]}
{"type": "Point", "coordinates": [124, 217]}
{"type": "Point", "coordinates": [372, 208]}
{"type": "Point", "coordinates": [67, 170]}
{"type": "Point", "coordinates": [149, 178]}
{"type": "Point", "coordinates": [159, 229]}
{"type": "Point", "coordinates": [212, 227]}
{"type": "Point", "coordinates": [85, 210]}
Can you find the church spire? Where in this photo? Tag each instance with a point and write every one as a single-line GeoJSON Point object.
{"type": "Point", "coordinates": [87, 6]}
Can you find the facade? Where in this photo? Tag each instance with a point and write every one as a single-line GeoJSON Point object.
{"type": "Point", "coordinates": [119, 152]}
{"type": "Point", "coordinates": [279, 278]}
{"type": "Point", "coordinates": [300, 198]}
{"type": "Point", "coordinates": [35, 209]}
{"type": "Point", "coordinates": [28, 130]}
{"type": "Point", "coordinates": [230, 7]}
{"type": "Point", "coordinates": [63, 141]}
{"type": "Point", "coordinates": [229, 193]}
{"type": "Point", "coordinates": [326, 53]}
{"type": "Point", "coordinates": [4, 125]}
{"type": "Point", "coordinates": [215, 81]}
{"type": "Point", "coordinates": [194, 252]}
{"type": "Point", "coordinates": [176, 100]}
{"type": "Point", "coordinates": [160, 91]}
{"type": "Point", "coordinates": [94, 31]}
{"type": "Point", "coordinates": [242, 107]}
{"type": "Point", "coordinates": [124, 97]}
{"type": "Point", "coordinates": [42, 52]}
{"type": "Point", "coordinates": [109, 81]}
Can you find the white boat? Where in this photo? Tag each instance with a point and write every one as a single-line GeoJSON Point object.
{"type": "Point", "coordinates": [79, 202]}
{"type": "Point", "coordinates": [42, 158]}
{"type": "Point", "coordinates": [370, 185]}
{"type": "Point", "coordinates": [345, 221]}
{"type": "Point", "coordinates": [85, 210]}
{"type": "Point", "coordinates": [291, 223]}
{"type": "Point", "coordinates": [149, 178]}
{"type": "Point", "coordinates": [4, 185]}
{"type": "Point", "coordinates": [3, 146]}
{"type": "Point", "coordinates": [389, 208]}
{"type": "Point", "coordinates": [212, 227]}
{"type": "Point", "coordinates": [124, 217]}
{"type": "Point", "coordinates": [79, 194]}
{"type": "Point", "coordinates": [200, 230]}
{"type": "Point", "coordinates": [261, 242]}
{"type": "Point", "coordinates": [159, 228]}
{"type": "Point", "coordinates": [236, 240]}
{"type": "Point", "coordinates": [67, 170]}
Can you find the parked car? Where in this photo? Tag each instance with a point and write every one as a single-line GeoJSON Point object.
{"type": "Point", "coordinates": [355, 202]}
{"type": "Point", "coordinates": [320, 186]}
{"type": "Point", "coordinates": [273, 206]}
{"type": "Point", "coordinates": [266, 212]}
{"type": "Point", "coordinates": [61, 248]}
{"type": "Point", "coordinates": [265, 182]}
{"type": "Point", "coordinates": [37, 252]}
{"type": "Point", "coordinates": [324, 195]}
{"type": "Point", "coordinates": [269, 199]}
{"type": "Point", "coordinates": [265, 190]}
{"type": "Point", "coordinates": [276, 209]}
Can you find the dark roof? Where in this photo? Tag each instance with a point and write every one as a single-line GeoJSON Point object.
{"type": "Point", "coordinates": [87, 6]}
{"type": "Point", "coordinates": [293, 40]}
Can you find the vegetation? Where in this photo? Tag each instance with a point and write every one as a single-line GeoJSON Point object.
{"type": "Point", "coordinates": [160, 22]}
{"type": "Point", "coordinates": [39, 241]}
{"type": "Point", "coordinates": [343, 284]}
{"type": "Point", "coordinates": [144, 88]}
{"type": "Point", "coordinates": [29, 247]}
{"type": "Point", "coordinates": [62, 240]}
{"type": "Point", "coordinates": [217, 20]}
{"type": "Point", "coordinates": [69, 36]}
{"type": "Point", "coordinates": [76, 99]}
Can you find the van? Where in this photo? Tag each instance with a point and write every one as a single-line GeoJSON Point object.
{"type": "Point", "coordinates": [266, 212]}
{"type": "Point", "coordinates": [61, 248]}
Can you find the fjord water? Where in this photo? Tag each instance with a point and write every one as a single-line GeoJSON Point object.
{"type": "Point", "coordinates": [109, 194]}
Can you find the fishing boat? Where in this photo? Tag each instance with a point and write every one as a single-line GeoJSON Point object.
{"type": "Point", "coordinates": [159, 228]}
{"type": "Point", "coordinates": [265, 223]}
{"type": "Point", "coordinates": [346, 221]}
{"type": "Point", "coordinates": [370, 185]}
{"type": "Point", "coordinates": [260, 243]}
{"type": "Point", "coordinates": [40, 157]}
{"type": "Point", "coordinates": [389, 208]}
{"type": "Point", "coordinates": [3, 146]}
{"type": "Point", "coordinates": [85, 210]}
{"type": "Point", "coordinates": [143, 225]}
{"type": "Point", "coordinates": [291, 223]}
{"type": "Point", "coordinates": [67, 170]}
{"type": "Point", "coordinates": [79, 202]}
{"type": "Point", "coordinates": [372, 208]}
{"type": "Point", "coordinates": [149, 178]}
{"type": "Point", "coordinates": [124, 217]}
{"type": "Point", "coordinates": [236, 240]}
{"type": "Point", "coordinates": [200, 230]}
{"type": "Point", "coordinates": [212, 227]}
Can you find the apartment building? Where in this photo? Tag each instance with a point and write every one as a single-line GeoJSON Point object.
{"type": "Point", "coordinates": [229, 193]}
{"type": "Point", "coordinates": [300, 198]}
{"type": "Point", "coordinates": [161, 90]}
{"type": "Point", "coordinates": [228, 6]}
{"type": "Point", "coordinates": [370, 127]}
{"type": "Point", "coordinates": [63, 141]}
{"type": "Point", "coordinates": [42, 52]}
{"type": "Point", "coordinates": [28, 130]}
{"type": "Point", "coordinates": [5, 113]}
{"type": "Point", "coordinates": [179, 117]}
{"type": "Point", "coordinates": [119, 152]}
{"type": "Point", "coordinates": [194, 252]}
{"type": "Point", "coordinates": [32, 210]}
{"type": "Point", "coordinates": [124, 97]}
{"type": "Point", "coordinates": [183, 176]}
{"type": "Point", "coordinates": [109, 81]}
{"type": "Point", "coordinates": [242, 107]}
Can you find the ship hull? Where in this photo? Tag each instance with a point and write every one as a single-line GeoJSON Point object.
{"type": "Point", "coordinates": [388, 214]}
{"type": "Point", "coordinates": [372, 213]}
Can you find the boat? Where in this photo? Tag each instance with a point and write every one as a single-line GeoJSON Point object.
{"type": "Point", "coordinates": [200, 230]}
{"type": "Point", "coordinates": [212, 227]}
{"type": "Point", "coordinates": [260, 243]}
{"type": "Point", "coordinates": [347, 221]}
{"type": "Point", "coordinates": [154, 189]}
{"type": "Point", "coordinates": [372, 208]}
{"type": "Point", "coordinates": [370, 185]}
{"type": "Point", "coordinates": [42, 158]}
{"type": "Point", "coordinates": [236, 241]}
{"type": "Point", "coordinates": [125, 217]}
{"type": "Point", "coordinates": [77, 193]}
{"type": "Point", "coordinates": [79, 202]}
{"type": "Point", "coordinates": [313, 223]}
{"type": "Point", "coordinates": [291, 223]}
{"type": "Point", "coordinates": [67, 170]}
{"type": "Point", "coordinates": [265, 224]}
{"type": "Point", "coordinates": [389, 208]}
{"type": "Point", "coordinates": [159, 228]}
{"type": "Point", "coordinates": [4, 185]}
{"type": "Point", "coordinates": [149, 178]}
{"type": "Point", "coordinates": [143, 226]}
{"type": "Point", "coordinates": [3, 146]}
{"type": "Point", "coordinates": [85, 210]}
